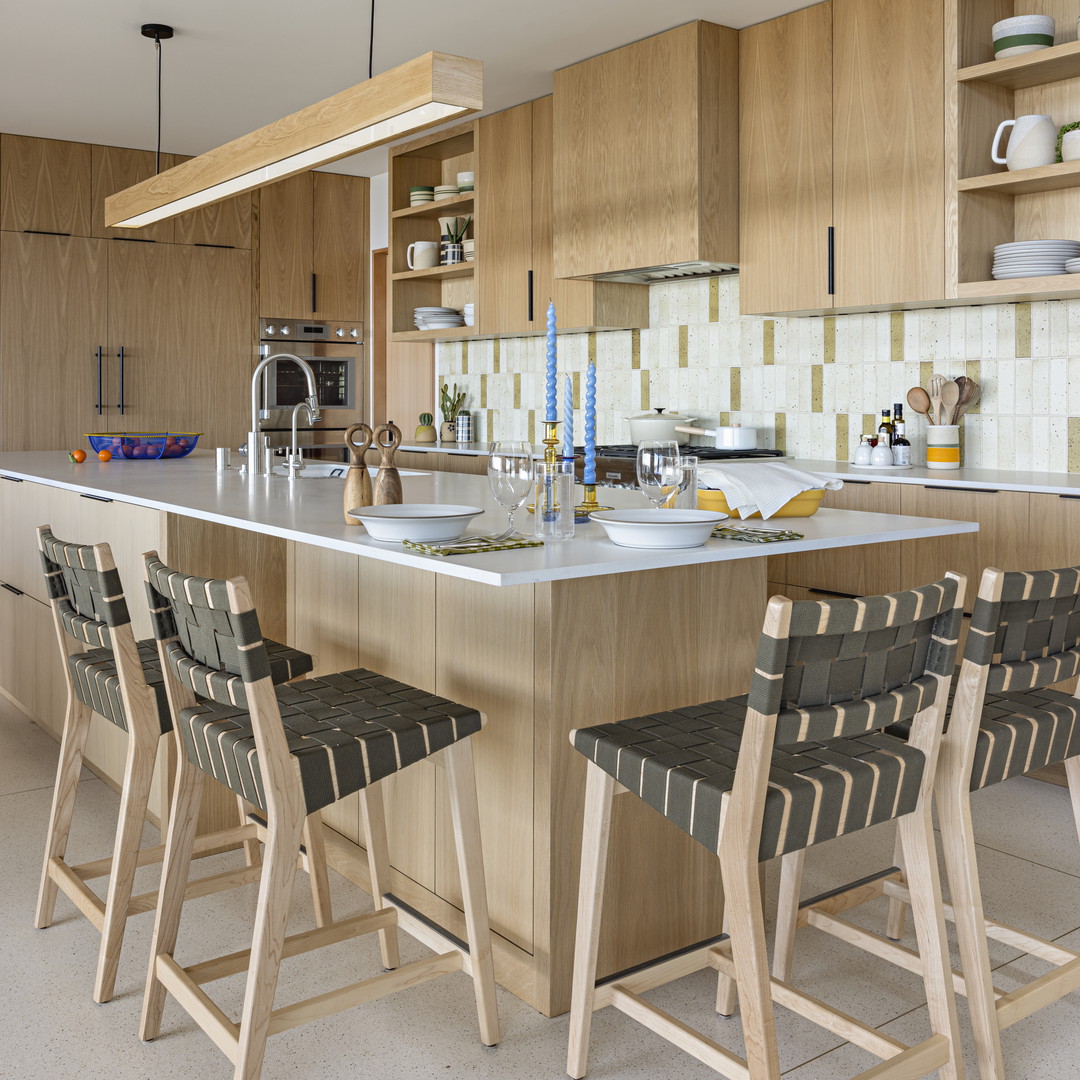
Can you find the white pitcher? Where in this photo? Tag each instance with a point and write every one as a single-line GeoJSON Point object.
{"type": "Point", "coordinates": [1033, 143]}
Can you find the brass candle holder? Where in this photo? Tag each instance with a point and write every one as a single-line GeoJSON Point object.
{"type": "Point", "coordinates": [551, 440]}
{"type": "Point", "coordinates": [589, 505]}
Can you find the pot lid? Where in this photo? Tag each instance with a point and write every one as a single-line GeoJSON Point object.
{"type": "Point", "coordinates": [660, 414]}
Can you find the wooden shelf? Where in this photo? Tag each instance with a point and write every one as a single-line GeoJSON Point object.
{"type": "Point", "coordinates": [453, 333]}
{"type": "Point", "coordinates": [1029, 69]}
{"type": "Point", "coordinates": [1015, 290]}
{"type": "Point", "coordinates": [1065, 174]}
{"type": "Point", "coordinates": [439, 208]}
{"type": "Point", "coordinates": [437, 273]}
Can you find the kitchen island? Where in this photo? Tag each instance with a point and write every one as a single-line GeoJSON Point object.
{"type": "Point", "coordinates": [541, 640]}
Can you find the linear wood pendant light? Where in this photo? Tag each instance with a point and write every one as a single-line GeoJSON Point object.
{"type": "Point", "coordinates": [412, 97]}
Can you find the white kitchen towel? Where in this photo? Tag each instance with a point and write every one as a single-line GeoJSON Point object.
{"type": "Point", "coordinates": [764, 486]}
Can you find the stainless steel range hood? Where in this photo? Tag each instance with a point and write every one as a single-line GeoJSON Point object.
{"type": "Point", "coordinates": [650, 275]}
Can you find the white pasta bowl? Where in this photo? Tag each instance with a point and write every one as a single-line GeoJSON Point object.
{"type": "Point", "coordinates": [658, 528]}
{"type": "Point", "coordinates": [424, 522]}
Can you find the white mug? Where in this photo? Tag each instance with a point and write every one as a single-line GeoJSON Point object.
{"type": "Point", "coordinates": [427, 255]}
{"type": "Point", "coordinates": [1033, 142]}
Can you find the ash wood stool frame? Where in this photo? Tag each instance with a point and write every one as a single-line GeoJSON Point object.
{"type": "Point", "coordinates": [797, 761]}
{"type": "Point", "coordinates": [290, 751]}
{"type": "Point", "coordinates": [1004, 722]}
{"type": "Point", "coordinates": [89, 609]}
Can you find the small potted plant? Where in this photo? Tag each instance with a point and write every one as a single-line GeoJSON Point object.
{"type": "Point", "coordinates": [425, 430]}
{"type": "Point", "coordinates": [450, 403]}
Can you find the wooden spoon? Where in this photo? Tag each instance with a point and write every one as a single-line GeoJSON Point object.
{"type": "Point", "coordinates": [950, 395]}
{"type": "Point", "coordinates": [936, 383]}
{"type": "Point", "coordinates": [969, 393]}
{"type": "Point", "coordinates": [919, 400]}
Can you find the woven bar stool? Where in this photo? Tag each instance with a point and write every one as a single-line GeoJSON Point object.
{"type": "Point", "coordinates": [292, 751]}
{"type": "Point", "coordinates": [1003, 722]}
{"type": "Point", "coordinates": [120, 678]}
{"type": "Point", "coordinates": [799, 760]}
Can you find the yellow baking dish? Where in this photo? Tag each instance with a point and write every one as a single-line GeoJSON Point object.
{"type": "Point", "coordinates": [805, 504]}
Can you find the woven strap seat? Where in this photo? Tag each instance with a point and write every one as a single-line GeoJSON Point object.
{"type": "Point", "coordinates": [683, 762]}
{"type": "Point", "coordinates": [346, 731]}
{"type": "Point", "coordinates": [97, 683]}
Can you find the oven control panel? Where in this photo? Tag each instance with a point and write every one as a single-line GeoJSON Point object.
{"type": "Point", "coordinates": [307, 330]}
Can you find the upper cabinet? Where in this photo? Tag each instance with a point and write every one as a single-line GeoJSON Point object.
{"type": "Point", "coordinates": [116, 168]}
{"type": "Point", "coordinates": [44, 186]}
{"type": "Point", "coordinates": [842, 157]}
{"type": "Point", "coordinates": [645, 161]}
{"type": "Point", "coordinates": [313, 247]}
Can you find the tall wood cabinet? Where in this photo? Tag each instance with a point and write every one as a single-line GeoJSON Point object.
{"type": "Point", "coordinates": [842, 157]}
{"type": "Point", "coordinates": [44, 185]}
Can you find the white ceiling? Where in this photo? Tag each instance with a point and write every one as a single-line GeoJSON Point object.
{"type": "Point", "coordinates": [73, 69]}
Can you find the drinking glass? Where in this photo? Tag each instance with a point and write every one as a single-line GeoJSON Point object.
{"type": "Point", "coordinates": [658, 470]}
{"type": "Point", "coordinates": [510, 475]}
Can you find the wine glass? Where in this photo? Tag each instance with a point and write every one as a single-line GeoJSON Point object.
{"type": "Point", "coordinates": [659, 470]}
{"type": "Point", "coordinates": [510, 475]}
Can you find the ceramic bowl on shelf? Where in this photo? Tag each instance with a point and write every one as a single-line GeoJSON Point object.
{"type": "Point", "coordinates": [415, 521]}
{"type": "Point", "coordinates": [1022, 34]}
{"type": "Point", "coordinates": [666, 529]}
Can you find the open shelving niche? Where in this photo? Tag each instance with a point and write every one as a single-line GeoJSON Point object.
{"type": "Point", "coordinates": [999, 207]}
{"type": "Point", "coordinates": [434, 159]}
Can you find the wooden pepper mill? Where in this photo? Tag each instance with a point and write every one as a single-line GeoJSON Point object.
{"type": "Point", "coordinates": [357, 479]}
{"type": "Point", "coordinates": [388, 482]}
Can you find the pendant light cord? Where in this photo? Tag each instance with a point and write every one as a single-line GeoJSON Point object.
{"type": "Point", "coordinates": [371, 44]}
{"type": "Point", "coordinates": [157, 46]}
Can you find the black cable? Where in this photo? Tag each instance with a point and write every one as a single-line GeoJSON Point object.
{"type": "Point", "coordinates": [157, 45]}
{"type": "Point", "coordinates": [371, 44]}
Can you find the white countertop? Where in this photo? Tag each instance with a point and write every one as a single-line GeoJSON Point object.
{"type": "Point", "coordinates": [1043, 483]}
{"type": "Point", "coordinates": [310, 512]}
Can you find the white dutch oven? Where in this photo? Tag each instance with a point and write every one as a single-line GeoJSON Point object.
{"type": "Point", "coordinates": [727, 438]}
{"type": "Point", "coordinates": [658, 424]}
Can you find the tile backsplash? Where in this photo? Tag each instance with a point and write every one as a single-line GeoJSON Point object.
{"type": "Point", "coordinates": [810, 385]}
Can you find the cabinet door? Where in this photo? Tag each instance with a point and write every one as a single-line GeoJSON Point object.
{"type": "Point", "coordinates": [340, 247]}
{"type": "Point", "coordinates": [286, 248]}
{"type": "Point", "coordinates": [785, 162]}
{"type": "Point", "coordinates": [116, 168]}
{"type": "Point", "coordinates": [31, 671]}
{"type": "Point", "coordinates": [183, 317]}
{"type": "Point", "coordinates": [504, 225]}
{"type": "Point", "coordinates": [1003, 539]}
{"type": "Point", "coordinates": [1055, 541]}
{"type": "Point", "coordinates": [52, 322]}
{"type": "Point", "coordinates": [44, 185]}
{"type": "Point", "coordinates": [888, 150]}
{"type": "Point", "coordinates": [222, 224]}
{"type": "Point", "coordinates": [863, 571]}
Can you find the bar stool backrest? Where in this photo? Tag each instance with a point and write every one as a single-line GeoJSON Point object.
{"type": "Point", "coordinates": [208, 645]}
{"type": "Point", "coordinates": [838, 668]}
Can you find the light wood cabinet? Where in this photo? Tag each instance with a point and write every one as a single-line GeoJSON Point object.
{"type": "Point", "coordinates": [222, 224]}
{"type": "Point", "coordinates": [1055, 533]}
{"type": "Point", "coordinates": [646, 169]}
{"type": "Point", "coordinates": [45, 185]}
{"type": "Point", "coordinates": [887, 157]}
{"type": "Point", "coordinates": [116, 168]}
{"type": "Point", "coordinates": [313, 247]}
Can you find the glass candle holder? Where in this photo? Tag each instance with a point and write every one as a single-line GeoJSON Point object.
{"type": "Point", "coordinates": [553, 515]}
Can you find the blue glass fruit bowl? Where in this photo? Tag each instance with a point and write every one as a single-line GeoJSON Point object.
{"type": "Point", "coordinates": [145, 445]}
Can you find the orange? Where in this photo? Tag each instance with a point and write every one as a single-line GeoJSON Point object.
{"type": "Point", "coordinates": [78, 456]}
{"type": "Point", "coordinates": [104, 455]}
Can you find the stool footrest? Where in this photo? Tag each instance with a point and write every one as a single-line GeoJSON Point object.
{"type": "Point", "coordinates": [648, 976]}
{"type": "Point", "coordinates": [78, 892]}
{"type": "Point", "coordinates": [1037, 993]}
{"type": "Point", "coordinates": [213, 883]}
{"type": "Point", "coordinates": [224, 1033]}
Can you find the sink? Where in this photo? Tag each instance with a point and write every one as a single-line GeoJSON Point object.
{"type": "Point", "coordinates": [335, 470]}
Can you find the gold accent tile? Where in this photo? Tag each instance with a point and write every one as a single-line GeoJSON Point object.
{"type": "Point", "coordinates": [896, 336]}
{"type": "Point", "coordinates": [829, 334]}
{"type": "Point", "coordinates": [517, 393]}
{"type": "Point", "coordinates": [870, 423]}
{"type": "Point", "coordinates": [533, 436]}
{"type": "Point", "coordinates": [780, 423]}
{"type": "Point", "coordinates": [464, 358]}
{"type": "Point", "coordinates": [489, 426]}
{"type": "Point", "coordinates": [684, 346]}
{"type": "Point", "coordinates": [843, 437]}
{"type": "Point", "coordinates": [926, 369]}
{"type": "Point", "coordinates": [592, 348]}
{"type": "Point", "coordinates": [714, 299]}
{"type": "Point", "coordinates": [1074, 444]}
{"type": "Point", "coordinates": [1023, 329]}
{"type": "Point", "coordinates": [817, 387]}
{"type": "Point", "coordinates": [735, 382]}
{"type": "Point", "coordinates": [575, 381]}
{"type": "Point", "coordinates": [645, 391]}
{"type": "Point", "coordinates": [725, 418]}
{"type": "Point", "coordinates": [483, 391]}
{"type": "Point", "coordinates": [497, 356]}
{"type": "Point", "coordinates": [768, 340]}
{"type": "Point", "coordinates": [635, 350]}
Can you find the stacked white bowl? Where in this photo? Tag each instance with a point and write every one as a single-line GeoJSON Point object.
{"type": "Point", "coordinates": [1022, 34]}
{"type": "Point", "coordinates": [437, 318]}
{"type": "Point", "coordinates": [469, 313]}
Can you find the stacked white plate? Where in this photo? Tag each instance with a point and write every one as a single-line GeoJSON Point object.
{"type": "Point", "coordinates": [1034, 258]}
{"type": "Point", "coordinates": [1072, 266]}
{"type": "Point", "coordinates": [437, 318]}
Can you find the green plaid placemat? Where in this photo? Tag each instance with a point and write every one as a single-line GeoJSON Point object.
{"type": "Point", "coordinates": [470, 547]}
{"type": "Point", "coordinates": [754, 536]}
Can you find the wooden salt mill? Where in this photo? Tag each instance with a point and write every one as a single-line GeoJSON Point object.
{"type": "Point", "coordinates": [357, 479]}
{"type": "Point", "coordinates": [388, 481]}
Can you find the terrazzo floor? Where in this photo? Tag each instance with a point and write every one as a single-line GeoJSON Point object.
{"type": "Point", "coordinates": [52, 1029]}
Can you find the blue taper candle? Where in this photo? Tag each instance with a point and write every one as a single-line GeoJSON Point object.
{"type": "Point", "coordinates": [568, 417]}
{"type": "Point", "coordinates": [589, 475]}
{"type": "Point", "coordinates": [551, 413]}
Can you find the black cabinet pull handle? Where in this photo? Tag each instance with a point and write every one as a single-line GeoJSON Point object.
{"type": "Point", "coordinates": [14, 479]}
{"type": "Point", "coordinates": [974, 491]}
{"type": "Point", "coordinates": [314, 293]}
{"type": "Point", "coordinates": [96, 498]}
{"type": "Point", "coordinates": [45, 232]}
{"type": "Point", "coordinates": [849, 481]}
{"type": "Point", "coordinates": [1069, 496]}
{"type": "Point", "coordinates": [531, 311]}
{"type": "Point", "coordinates": [832, 260]}
{"type": "Point", "coordinates": [99, 406]}
{"type": "Point", "coordinates": [120, 354]}
{"type": "Point", "coordinates": [11, 588]}
{"type": "Point", "coordinates": [830, 592]}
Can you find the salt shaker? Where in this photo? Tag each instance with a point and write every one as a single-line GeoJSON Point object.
{"type": "Point", "coordinates": [862, 453]}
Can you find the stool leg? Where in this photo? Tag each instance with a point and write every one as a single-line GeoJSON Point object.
{"type": "Point", "coordinates": [371, 805]}
{"type": "Point", "coordinates": [958, 844]}
{"type": "Point", "coordinates": [183, 823]}
{"type": "Point", "coordinates": [465, 815]}
{"type": "Point", "coordinates": [316, 868]}
{"type": "Point", "coordinates": [251, 847]}
{"type": "Point", "coordinates": [727, 990]}
{"type": "Point", "coordinates": [894, 926]}
{"type": "Point", "coordinates": [1072, 774]}
{"type": "Point", "coordinates": [596, 832]}
{"type": "Point", "coordinates": [138, 773]}
{"type": "Point", "coordinates": [283, 836]}
{"type": "Point", "coordinates": [76, 727]}
{"type": "Point", "coordinates": [916, 833]}
{"type": "Point", "coordinates": [787, 914]}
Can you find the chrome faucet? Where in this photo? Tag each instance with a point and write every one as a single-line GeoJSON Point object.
{"type": "Point", "coordinates": [294, 462]}
{"type": "Point", "coordinates": [258, 460]}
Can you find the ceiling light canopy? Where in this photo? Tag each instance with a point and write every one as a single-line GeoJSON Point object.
{"type": "Point", "coordinates": [416, 95]}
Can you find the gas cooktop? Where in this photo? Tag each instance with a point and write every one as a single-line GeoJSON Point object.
{"type": "Point", "coordinates": [616, 466]}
